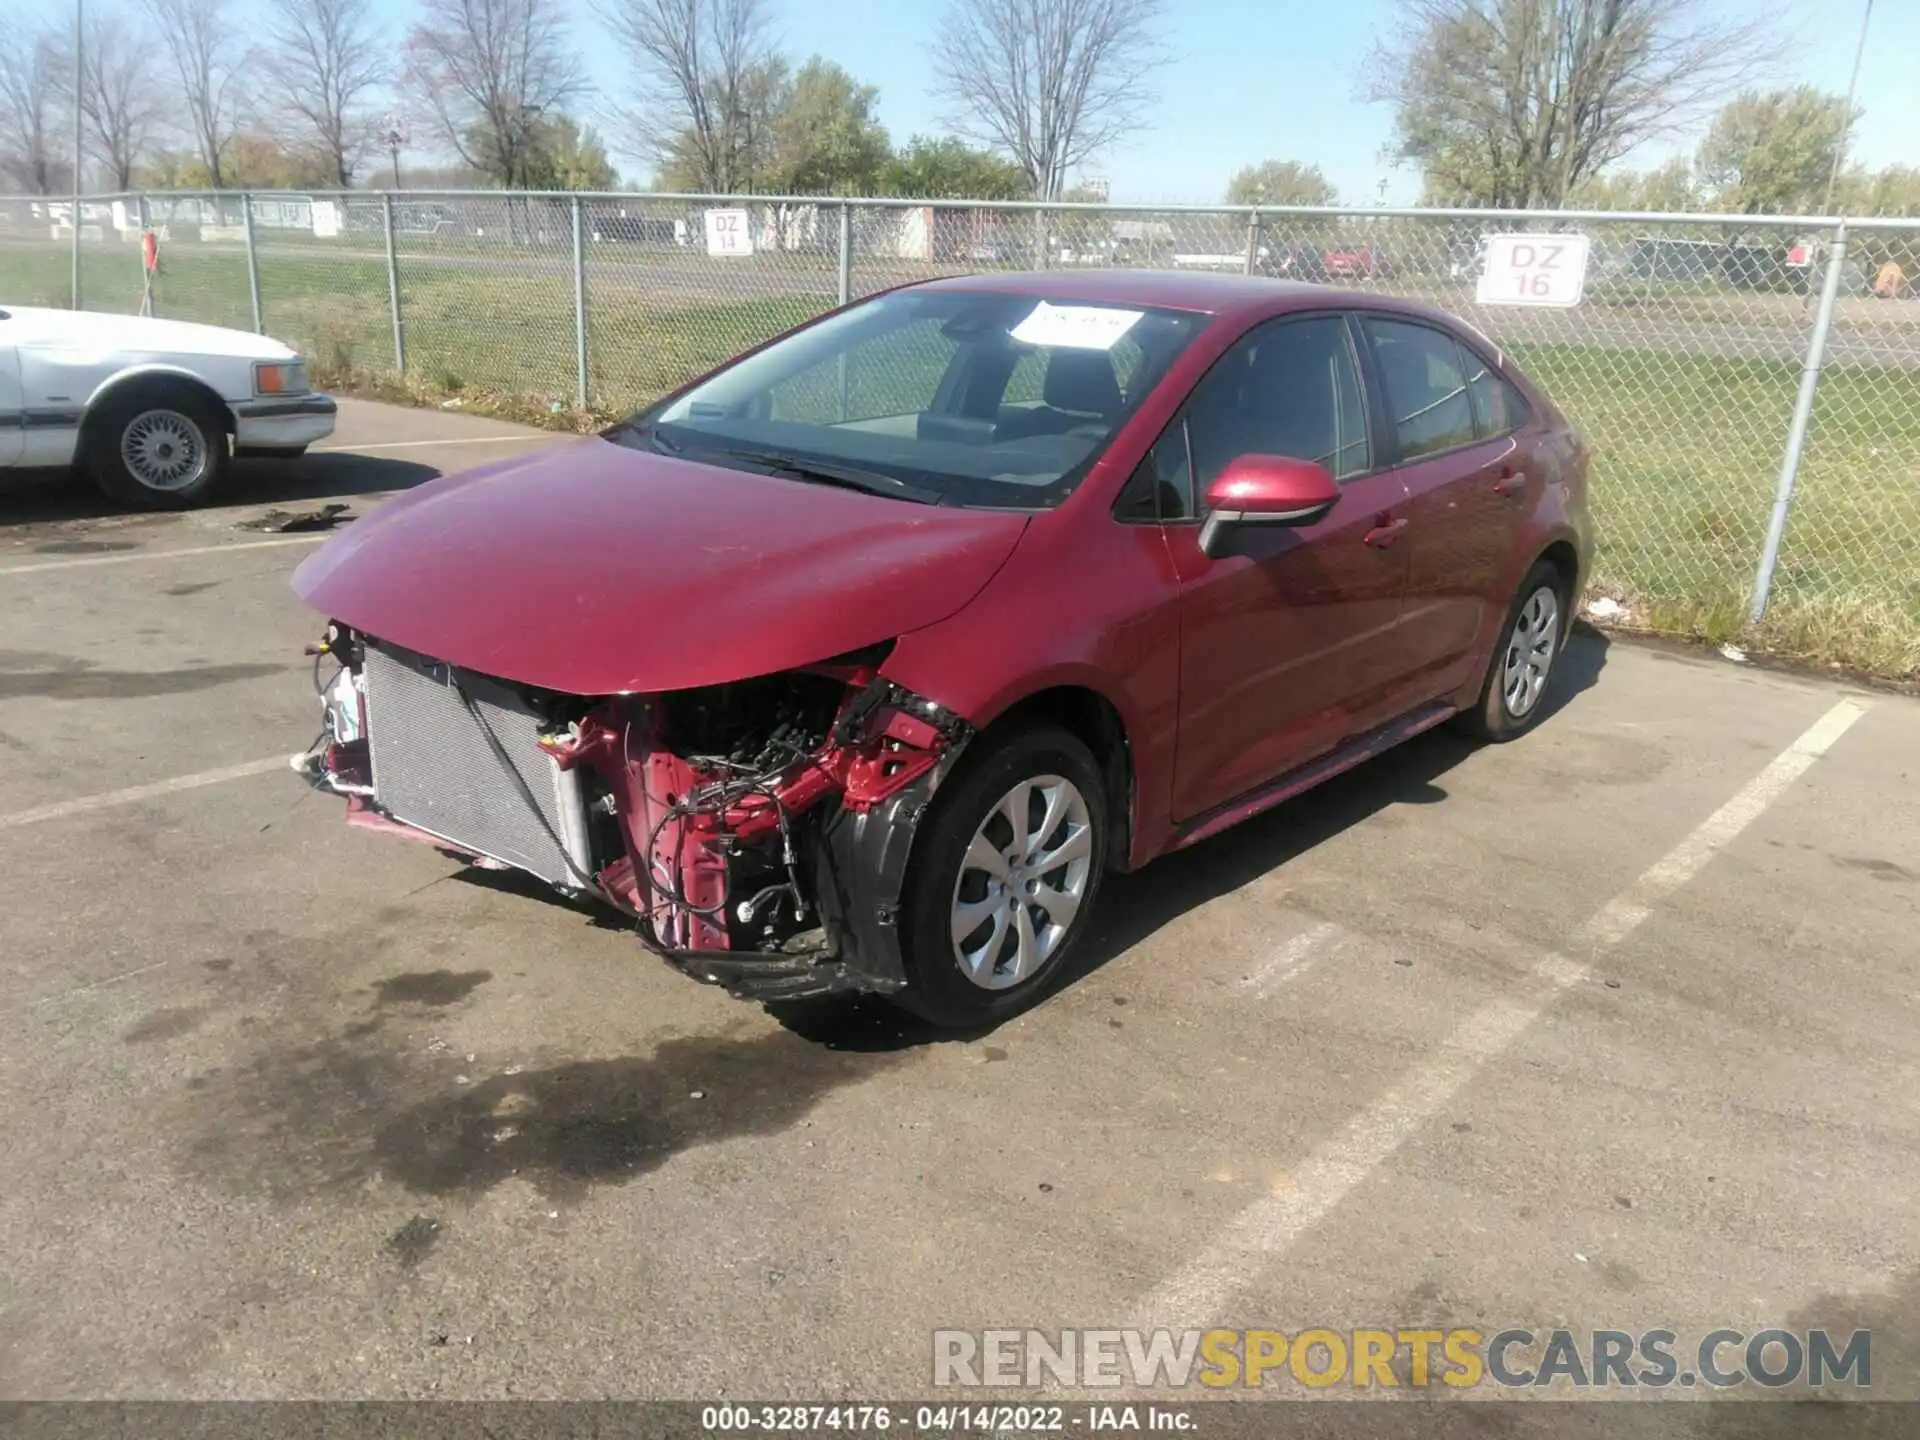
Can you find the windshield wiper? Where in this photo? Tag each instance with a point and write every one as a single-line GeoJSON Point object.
{"type": "Point", "coordinates": [816, 472]}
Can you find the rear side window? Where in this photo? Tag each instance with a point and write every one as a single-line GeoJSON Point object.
{"type": "Point", "coordinates": [1498, 408]}
{"type": "Point", "coordinates": [1426, 387]}
{"type": "Point", "coordinates": [1287, 388]}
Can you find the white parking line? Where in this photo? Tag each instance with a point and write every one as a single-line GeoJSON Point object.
{"type": "Point", "coordinates": [1268, 1228]}
{"type": "Point", "coordinates": [426, 444]}
{"type": "Point", "coordinates": [1291, 959]}
{"type": "Point", "coordinates": [133, 794]}
{"type": "Point", "coordinates": [128, 559]}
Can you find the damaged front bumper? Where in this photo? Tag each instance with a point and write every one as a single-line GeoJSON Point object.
{"type": "Point", "coordinates": [758, 834]}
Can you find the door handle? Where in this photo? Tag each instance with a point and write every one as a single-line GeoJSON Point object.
{"type": "Point", "coordinates": [1385, 533]}
{"type": "Point", "coordinates": [1509, 483]}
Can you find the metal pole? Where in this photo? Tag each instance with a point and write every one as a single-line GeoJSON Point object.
{"type": "Point", "coordinates": [1797, 431]}
{"type": "Point", "coordinates": [846, 253]}
{"type": "Point", "coordinates": [580, 301]}
{"type": "Point", "coordinates": [393, 287]}
{"type": "Point", "coordinates": [253, 263]}
{"type": "Point", "coordinates": [1253, 242]}
{"type": "Point", "coordinates": [144, 220]}
{"type": "Point", "coordinates": [79, 89]}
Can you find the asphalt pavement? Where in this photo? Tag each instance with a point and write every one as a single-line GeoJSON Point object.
{"type": "Point", "coordinates": [1614, 1027]}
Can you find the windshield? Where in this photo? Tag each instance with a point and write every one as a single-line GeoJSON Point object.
{"type": "Point", "coordinates": [958, 397]}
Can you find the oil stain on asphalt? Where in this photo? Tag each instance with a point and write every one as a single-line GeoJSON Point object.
{"type": "Point", "coordinates": [367, 1100]}
{"type": "Point", "coordinates": [78, 681]}
{"type": "Point", "coordinates": [430, 987]}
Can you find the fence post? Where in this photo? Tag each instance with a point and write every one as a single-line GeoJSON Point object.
{"type": "Point", "coordinates": [393, 285]}
{"type": "Point", "coordinates": [1253, 241]}
{"type": "Point", "coordinates": [580, 302]}
{"type": "Point", "coordinates": [846, 252]}
{"type": "Point", "coordinates": [253, 263]}
{"type": "Point", "coordinates": [143, 222]}
{"type": "Point", "coordinates": [1797, 431]}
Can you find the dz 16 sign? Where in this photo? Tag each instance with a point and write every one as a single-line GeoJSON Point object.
{"type": "Point", "coordinates": [727, 233]}
{"type": "Point", "coordinates": [1533, 270]}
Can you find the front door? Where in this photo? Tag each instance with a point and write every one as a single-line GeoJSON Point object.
{"type": "Point", "coordinates": [1288, 638]}
{"type": "Point", "coordinates": [13, 402]}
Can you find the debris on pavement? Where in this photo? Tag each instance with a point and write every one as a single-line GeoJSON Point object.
{"type": "Point", "coordinates": [1607, 608]}
{"type": "Point", "coordinates": [1734, 653]}
{"type": "Point", "coordinates": [284, 522]}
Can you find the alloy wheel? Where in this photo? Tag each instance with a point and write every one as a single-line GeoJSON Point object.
{"type": "Point", "coordinates": [164, 450]}
{"type": "Point", "coordinates": [1024, 876]}
{"type": "Point", "coordinates": [1530, 652]}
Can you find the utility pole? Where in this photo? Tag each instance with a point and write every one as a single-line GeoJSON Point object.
{"type": "Point", "coordinates": [1846, 129]}
{"type": "Point", "coordinates": [79, 47]}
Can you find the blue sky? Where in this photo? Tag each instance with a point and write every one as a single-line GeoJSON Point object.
{"type": "Point", "coordinates": [1251, 79]}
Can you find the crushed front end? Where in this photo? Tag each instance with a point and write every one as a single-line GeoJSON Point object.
{"type": "Point", "coordinates": [757, 832]}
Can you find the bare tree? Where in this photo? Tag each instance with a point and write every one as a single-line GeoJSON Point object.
{"type": "Point", "coordinates": [327, 57]}
{"type": "Point", "coordinates": [118, 97]}
{"type": "Point", "coordinates": [487, 72]}
{"type": "Point", "coordinates": [201, 41]}
{"type": "Point", "coordinates": [36, 92]}
{"type": "Point", "coordinates": [1048, 82]}
{"type": "Point", "coordinates": [1516, 102]}
{"type": "Point", "coordinates": [707, 71]}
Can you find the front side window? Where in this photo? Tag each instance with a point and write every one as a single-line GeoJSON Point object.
{"type": "Point", "coordinates": [1426, 387]}
{"type": "Point", "coordinates": [955, 396]}
{"type": "Point", "coordinates": [1288, 387]}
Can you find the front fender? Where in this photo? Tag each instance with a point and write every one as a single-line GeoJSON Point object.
{"type": "Point", "coordinates": [150, 370]}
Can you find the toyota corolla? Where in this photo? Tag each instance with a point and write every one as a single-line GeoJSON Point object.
{"type": "Point", "coordinates": [862, 662]}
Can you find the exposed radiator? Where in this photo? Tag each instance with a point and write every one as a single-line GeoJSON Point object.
{"type": "Point", "coordinates": [434, 768]}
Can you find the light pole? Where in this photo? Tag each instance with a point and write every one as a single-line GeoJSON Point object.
{"type": "Point", "coordinates": [396, 137]}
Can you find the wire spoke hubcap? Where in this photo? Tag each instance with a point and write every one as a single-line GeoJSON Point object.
{"type": "Point", "coordinates": [1530, 652]}
{"type": "Point", "coordinates": [164, 450]}
{"type": "Point", "coordinates": [1022, 881]}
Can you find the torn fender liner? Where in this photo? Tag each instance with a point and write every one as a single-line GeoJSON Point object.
{"type": "Point", "coordinates": [859, 874]}
{"type": "Point", "coordinates": [863, 868]}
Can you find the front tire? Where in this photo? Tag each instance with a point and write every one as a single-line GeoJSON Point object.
{"type": "Point", "coordinates": [159, 447]}
{"type": "Point", "coordinates": [1531, 637]}
{"type": "Point", "coordinates": [1005, 872]}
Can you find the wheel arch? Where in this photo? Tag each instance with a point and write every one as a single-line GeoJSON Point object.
{"type": "Point", "coordinates": [151, 377]}
{"type": "Point", "coordinates": [1564, 556]}
{"type": "Point", "coordinates": [1095, 720]}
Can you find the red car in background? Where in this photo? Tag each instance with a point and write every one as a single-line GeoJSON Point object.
{"type": "Point", "coordinates": [1360, 263]}
{"type": "Point", "coordinates": [857, 664]}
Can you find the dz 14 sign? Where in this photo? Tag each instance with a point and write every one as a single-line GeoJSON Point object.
{"type": "Point", "coordinates": [727, 233]}
{"type": "Point", "coordinates": [1533, 270]}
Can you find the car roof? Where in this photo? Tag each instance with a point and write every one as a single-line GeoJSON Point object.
{"type": "Point", "coordinates": [1206, 292]}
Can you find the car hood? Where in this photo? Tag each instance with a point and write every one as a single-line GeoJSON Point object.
{"type": "Point", "coordinates": [91, 330]}
{"type": "Point", "coordinates": [594, 569]}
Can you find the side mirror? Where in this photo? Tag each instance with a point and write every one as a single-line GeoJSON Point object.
{"type": "Point", "coordinates": [1266, 490]}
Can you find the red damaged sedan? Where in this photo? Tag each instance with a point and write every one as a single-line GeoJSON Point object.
{"type": "Point", "coordinates": [859, 663]}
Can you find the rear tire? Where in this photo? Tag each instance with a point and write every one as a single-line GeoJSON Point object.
{"type": "Point", "coordinates": [1005, 872]}
{"type": "Point", "coordinates": [160, 446]}
{"type": "Point", "coordinates": [1524, 659]}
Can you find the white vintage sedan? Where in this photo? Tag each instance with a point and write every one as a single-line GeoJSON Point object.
{"type": "Point", "coordinates": [150, 410]}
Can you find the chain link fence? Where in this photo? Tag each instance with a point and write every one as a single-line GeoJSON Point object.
{"type": "Point", "coordinates": [1683, 364]}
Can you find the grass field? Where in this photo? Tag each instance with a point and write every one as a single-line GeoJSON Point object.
{"type": "Point", "coordinates": [1687, 446]}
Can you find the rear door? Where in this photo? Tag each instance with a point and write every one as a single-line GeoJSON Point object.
{"type": "Point", "coordinates": [1451, 423]}
{"type": "Point", "coordinates": [1288, 638]}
